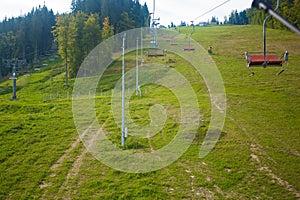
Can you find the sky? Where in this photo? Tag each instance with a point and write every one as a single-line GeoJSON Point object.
{"type": "Point", "coordinates": [186, 10]}
{"type": "Point", "coordinates": [167, 10]}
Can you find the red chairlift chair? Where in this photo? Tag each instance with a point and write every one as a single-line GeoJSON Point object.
{"type": "Point", "coordinates": [256, 59]}
{"type": "Point", "coordinates": [189, 48]}
{"type": "Point", "coordinates": [265, 59]}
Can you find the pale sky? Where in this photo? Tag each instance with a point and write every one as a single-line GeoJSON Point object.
{"type": "Point", "coordinates": [168, 10]}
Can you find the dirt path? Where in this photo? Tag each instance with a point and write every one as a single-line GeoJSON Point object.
{"type": "Point", "coordinates": [65, 188]}
{"type": "Point", "coordinates": [74, 170]}
{"type": "Point", "coordinates": [257, 152]}
{"type": "Point", "coordinates": [197, 192]}
{"type": "Point", "coordinates": [149, 142]}
{"type": "Point", "coordinates": [56, 166]}
{"type": "Point", "coordinates": [65, 191]}
{"type": "Point", "coordinates": [65, 155]}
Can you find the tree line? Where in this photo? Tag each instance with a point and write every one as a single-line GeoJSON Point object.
{"type": "Point", "coordinates": [91, 22]}
{"type": "Point", "coordinates": [73, 34]}
{"type": "Point", "coordinates": [26, 37]}
{"type": "Point", "coordinates": [123, 14]}
{"type": "Point", "coordinates": [289, 9]}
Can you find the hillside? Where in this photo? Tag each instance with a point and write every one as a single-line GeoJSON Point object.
{"type": "Point", "coordinates": [256, 157]}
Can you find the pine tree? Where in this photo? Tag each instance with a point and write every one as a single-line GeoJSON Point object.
{"type": "Point", "coordinates": [76, 41]}
{"type": "Point", "coordinates": [61, 34]}
{"type": "Point", "coordinates": [126, 22]}
{"type": "Point", "coordinates": [92, 33]}
{"type": "Point", "coordinates": [145, 11]}
{"type": "Point", "coordinates": [92, 6]}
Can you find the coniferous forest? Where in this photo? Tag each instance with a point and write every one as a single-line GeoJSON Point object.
{"type": "Point", "coordinates": [26, 37]}
{"type": "Point", "coordinates": [40, 32]}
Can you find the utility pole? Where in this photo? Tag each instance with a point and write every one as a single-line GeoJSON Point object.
{"type": "Point", "coordinates": [154, 26]}
{"type": "Point", "coordinates": [137, 68]}
{"type": "Point", "coordinates": [153, 8]}
{"type": "Point", "coordinates": [14, 78]}
{"type": "Point", "coordinates": [14, 64]}
{"type": "Point", "coordinates": [142, 48]}
{"type": "Point", "coordinates": [123, 93]}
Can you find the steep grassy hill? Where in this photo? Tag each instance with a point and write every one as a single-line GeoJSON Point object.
{"type": "Point", "coordinates": [256, 157]}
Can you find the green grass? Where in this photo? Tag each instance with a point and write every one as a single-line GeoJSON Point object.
{"type": "Point", "coordinates": [256, 157]}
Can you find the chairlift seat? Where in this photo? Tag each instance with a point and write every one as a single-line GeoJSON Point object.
{"type": "Point", "coordinates": [266, 59]}
{"type": "Point", "coordinates": [156, 52]}
{"type": "Point", "coordinates": [259, 60]}
{"type": "Point", "coordinates": [189, 49]}
{"type": "Point", "coordinates": [155, 55]}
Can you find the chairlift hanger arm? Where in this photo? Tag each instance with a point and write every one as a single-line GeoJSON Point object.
{"type": "Point", "coordinates": [265, 31]}
{"type": "Point", "coordinates": [259, 4]}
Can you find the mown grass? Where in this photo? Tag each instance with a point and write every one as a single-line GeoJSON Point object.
{"type": "Point", "coordinates": [256, 157]}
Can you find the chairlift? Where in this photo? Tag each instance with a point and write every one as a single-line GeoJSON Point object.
{"type": "Point", "coordinates": [189, 48]}
{"type": "Point", "coordinates": [266, 59]}
{"type": "Point", "coordinates": [156, 52]}
{"type": "Point", "coordinates": [257, 59]}
{"type": "Point", "coordinates": [170, 40]}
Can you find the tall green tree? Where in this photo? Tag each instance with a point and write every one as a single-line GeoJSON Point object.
{"type": "Point", "coordinates": [289, 9]}
{"type": "Point", "coordinates": [76, 41]}
{"type": "Point", "coordinates": [92, 6]}
{"type": "Point", "coordinates": [8, 44]}
{"type": "Point", "coordinates": [77, 5]}
{"type": "Point", "coordinates": [92, 32]}
{"type": "Point", "coordinates": [146, 17]}
{"type": "Point", "coordinates": [92, 21]}
{"type": "Point", "coordinates": [126, 22]}
{"type": "Point", "coordinates": [61, 34]}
